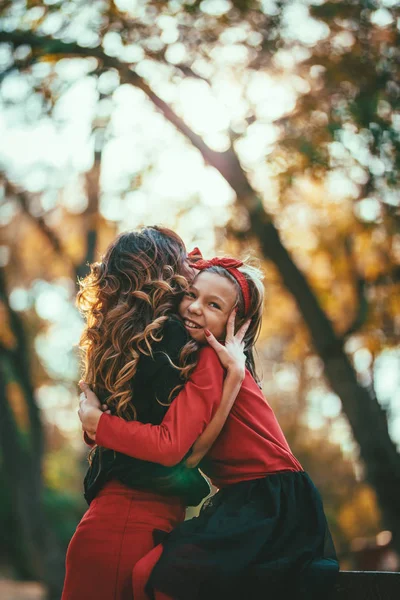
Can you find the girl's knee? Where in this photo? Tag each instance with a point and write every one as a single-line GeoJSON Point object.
{"type": "Point", "coordinates": [141, 573]}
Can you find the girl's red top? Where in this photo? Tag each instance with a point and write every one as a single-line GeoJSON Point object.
{"type": "Point", "coordinates": [250, 446]}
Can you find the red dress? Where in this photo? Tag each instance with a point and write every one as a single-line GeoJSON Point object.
{"type": "Point", "coordinates": [114, 534]}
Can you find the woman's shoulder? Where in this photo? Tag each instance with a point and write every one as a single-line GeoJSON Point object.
{"type": "Point", "coordinates": [174, 336]}
{"type": "Point", "coordinates": [168, 348]}
{"type": "Point", "coordinates": [174, 324]}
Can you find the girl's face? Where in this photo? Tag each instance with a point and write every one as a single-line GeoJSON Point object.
{"type": "Point", "coordinates": [207, 305]}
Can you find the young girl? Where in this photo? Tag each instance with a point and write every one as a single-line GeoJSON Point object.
{"type": "Point", "coordinates": [130, 345]}
{"type": "Point", "coordinates": [265, 531]}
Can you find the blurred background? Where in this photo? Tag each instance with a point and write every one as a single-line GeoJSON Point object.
{"type": "Point", "coordinates": [261, 128]}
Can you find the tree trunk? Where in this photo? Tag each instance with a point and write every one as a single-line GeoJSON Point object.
{"type": "Point", "coordinates": [90, 216]}
{"type": "Point", "coordinates": [367, 419]}
{"type": "Point", "coordinates": [22, 457]}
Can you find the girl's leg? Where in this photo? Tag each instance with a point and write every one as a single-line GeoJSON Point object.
{"type": "Point", "coordinates": [141, 574]}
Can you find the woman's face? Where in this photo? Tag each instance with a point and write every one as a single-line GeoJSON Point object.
{"type": "Point", "coordinates": [207, 305]}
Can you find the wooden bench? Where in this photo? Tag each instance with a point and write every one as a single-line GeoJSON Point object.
{"type": "Point", "coordinates": [367, 585]}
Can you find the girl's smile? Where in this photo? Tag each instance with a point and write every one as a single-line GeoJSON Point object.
{"type": "Point", "coordinates": [207, 305]}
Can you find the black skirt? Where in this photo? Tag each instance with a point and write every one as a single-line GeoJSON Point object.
{"type": "Point", "coordinates": [253, 539]}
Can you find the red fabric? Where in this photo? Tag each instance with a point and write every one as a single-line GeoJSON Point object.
{"type": "Point", "coordinates": [141, 574]}
{"type": "Point", "coordinates": [195, 253]}
{"type": "Point", "coordinates": [231, 265]}
{"type": "Point", "coordinates": [225, 262]}
{"type": "Point", "coordinates": [250, 446]}
{"type": "Point", "coordinates": [185, 420]}
{"type": "Point", "coordinates": [113, 535]}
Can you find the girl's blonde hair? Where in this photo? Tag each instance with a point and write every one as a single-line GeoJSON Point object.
{"type": "Point", "coordinates": [254, 277]}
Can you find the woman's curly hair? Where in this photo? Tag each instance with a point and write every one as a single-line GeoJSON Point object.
{"type": "Point", "coordinates": [126, 299]}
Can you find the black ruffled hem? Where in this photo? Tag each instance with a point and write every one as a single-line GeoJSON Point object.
{"type": "Point", "coordinates": [253, 539]}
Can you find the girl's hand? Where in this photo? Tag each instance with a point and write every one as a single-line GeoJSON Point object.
{"type": "Point", "coordinates": [89, 410]}
{"type": "Point", "coordinates": [231, 354]}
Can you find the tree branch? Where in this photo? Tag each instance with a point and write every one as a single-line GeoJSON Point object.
{"type": "Point", "coordinates": [40, 223]}
{"type": "Point", "coordinates": [90, 216]}
{"type": "Point", "coordinates": [226, 163]}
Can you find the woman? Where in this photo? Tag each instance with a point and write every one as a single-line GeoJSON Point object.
{"type": "Point", "coordinates": [136, 357]}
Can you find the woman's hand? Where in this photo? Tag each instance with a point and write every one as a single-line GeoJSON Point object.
{"type": "Point", "coordinates": [90, 410]}
{"type": "Point", "coordinates": [231, 354]}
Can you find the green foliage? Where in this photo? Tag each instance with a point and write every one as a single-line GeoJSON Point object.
{"type": "Point", "coordinates": [64, 511]}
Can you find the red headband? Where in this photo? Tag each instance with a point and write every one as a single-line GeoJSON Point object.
{"type": "Point", "coordinates": [195, 253]}
{"type": "Point", "coordinates": [231, 265]}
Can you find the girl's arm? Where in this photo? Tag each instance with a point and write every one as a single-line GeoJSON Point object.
{"type": "Point", "coordinates": [202, 445]}
{"type": "Point", "coordinates": [232, 358]}
{"type": "Point", "coordinates": [185, 420]}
